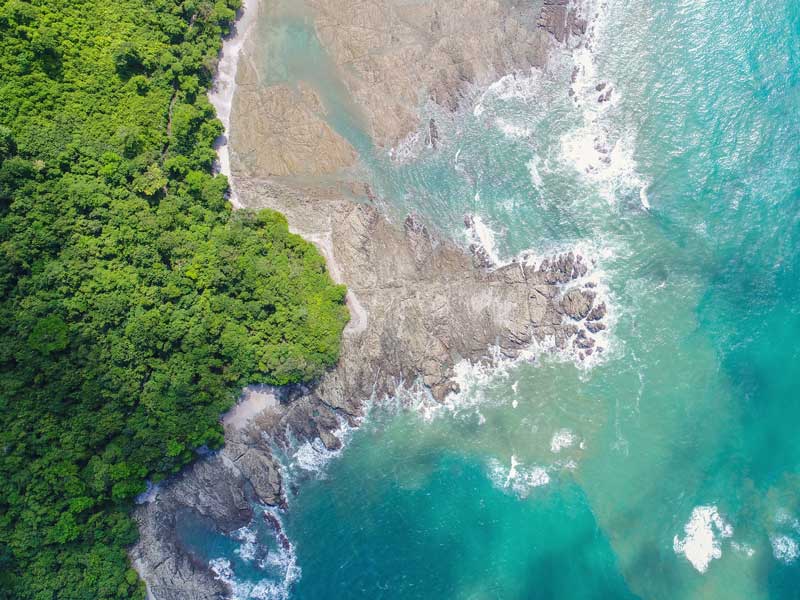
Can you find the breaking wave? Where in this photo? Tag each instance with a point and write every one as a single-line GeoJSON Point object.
{"type": "Point", "coordinates": [703, 534]}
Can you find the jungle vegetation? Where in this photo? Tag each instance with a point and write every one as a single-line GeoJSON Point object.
{"type": "Point", "coordinates": [134, 304]}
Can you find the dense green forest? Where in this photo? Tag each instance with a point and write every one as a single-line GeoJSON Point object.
{"type": "Point", "coordinates": [135, 303]}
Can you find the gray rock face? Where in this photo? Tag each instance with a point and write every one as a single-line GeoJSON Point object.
{"type": "Point", "coordinates": [560, 19]}
{"type": "Point", "coordinates": [419, 303]}
{"type": "Point", "coordinates": [211, 488]}
{"type": "Point", "coordinates": [577, 303]}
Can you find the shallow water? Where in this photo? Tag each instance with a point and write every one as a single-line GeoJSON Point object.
{"type": "Point", "coordinates": [666, 468]}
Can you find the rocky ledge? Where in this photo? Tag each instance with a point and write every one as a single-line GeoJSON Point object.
{"type": "Point", "coordinates": [420, 305]}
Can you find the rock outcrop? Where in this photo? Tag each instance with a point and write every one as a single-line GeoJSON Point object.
{"type": "Point", "coordinates": [427, 306]}
{"type": "Point", "coordinates": [395, 56]}
{"type": "Point", "coordinates": [560, 18]}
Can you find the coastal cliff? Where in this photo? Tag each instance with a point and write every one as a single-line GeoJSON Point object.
{"type": "Point", "coordinates": [419, 303]}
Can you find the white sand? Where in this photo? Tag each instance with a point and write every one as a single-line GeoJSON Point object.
{"type": "Point", "coordinates": [221, 97]}
{"type": "Point", "coordinates": [221, 93]}
{"type": "Point", "coordinates": [255, 400]}
{"type": "Point", "coordinates": [358, 314]}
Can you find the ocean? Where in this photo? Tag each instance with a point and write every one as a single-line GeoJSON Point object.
{"type": "Point", "coordinates": [666, 466]}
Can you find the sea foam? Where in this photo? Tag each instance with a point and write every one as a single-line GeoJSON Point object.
{"type": "Point", "coordinates": [703, 534]}
{"type": "Point", "coordinates": [563, 438]}
{"type": "Point", "coordinates": [313, 457]}
{"type": "Point", "coordinates": [516, 478]}
{"type": "Point", "coordinates": [280, 563]}
{"type": "Point", "coordinates": [599, 149]}
{"type": "Point", "coordinates": [248, 548]}
{"type": "Point", "coordinates": [784, 548]}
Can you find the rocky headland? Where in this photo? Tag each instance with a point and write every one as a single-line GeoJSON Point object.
{"type": "Point", "coordinates": [419, 302]}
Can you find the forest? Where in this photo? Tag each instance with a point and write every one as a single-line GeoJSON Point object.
{"type": "Point", "coordinates": [134, 303]}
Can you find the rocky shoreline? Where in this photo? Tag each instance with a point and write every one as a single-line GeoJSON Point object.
{"type": "Point", "coordinates": [420, 304]}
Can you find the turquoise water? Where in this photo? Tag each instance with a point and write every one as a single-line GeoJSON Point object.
{"type": "Point", "coordinates": [670, 467]}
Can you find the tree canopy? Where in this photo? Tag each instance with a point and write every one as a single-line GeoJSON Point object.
{"type": "Point", "coordinates": [134, 304]}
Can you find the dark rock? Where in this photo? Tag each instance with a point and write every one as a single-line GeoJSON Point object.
{"type": "Point", "coordinates": [583, 341]}
{"type": "Point", "coordinates": [577, 303]}
{"type": "Point", "coordinates": [597, 313]}
{"type": "Point", "coordinates": [433, 134]}
{"type": "Point", "coordinates": [594, 326]}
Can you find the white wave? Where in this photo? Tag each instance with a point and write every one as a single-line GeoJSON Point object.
{"type": "Point", "coordinates": [598, 149]}
{"type": "Point", "coordinates": [222, 569]}
{"type": "Point", "coordinates": [246, 590]}
{"type": "Point", "coordinates": [249, 547]}
{"type": "Point", "coordinates": [563, 438]}
{"type": "Point", "coordinates": [282, 561]}
{"type": "Point", "coordinates": [702, 542]}
{"type": "Point", "coordinates": [608, 164]}
{"type": "Point", "coordinates": [510, 130]}
{"type": "Point", "coordinates": [784, 548]}
{"type": "Point", "coordinates": [510, 87]}
{"type": "Point", "coordinates": [516, 478]}
{"type": "Point", "coordinates": [313, 456]}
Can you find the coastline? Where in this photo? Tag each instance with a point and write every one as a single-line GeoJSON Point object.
{"type": "Point", "coordinates": [420, 305]}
